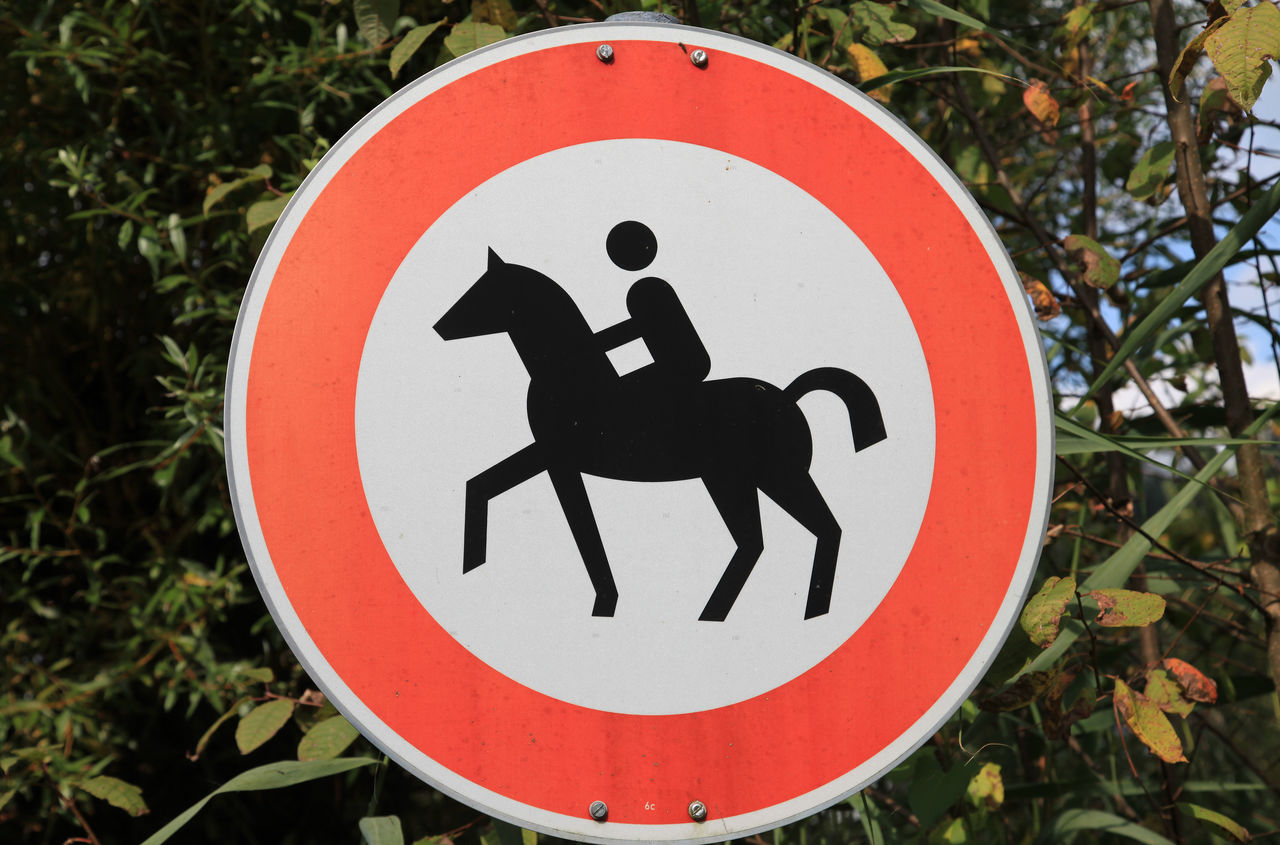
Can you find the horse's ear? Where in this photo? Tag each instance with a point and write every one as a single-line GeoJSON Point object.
{"type": "Point", "coordinates": [494, 260]}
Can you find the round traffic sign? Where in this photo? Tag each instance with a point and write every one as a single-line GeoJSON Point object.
{"type": "Point", "coordinates": [641, 449]}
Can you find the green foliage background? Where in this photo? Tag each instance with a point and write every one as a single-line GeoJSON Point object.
{"type": "Point", "coordinates": [147, 146]}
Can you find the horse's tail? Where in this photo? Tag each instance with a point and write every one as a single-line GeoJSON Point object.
{"type": "Point", "coordinates": [864, 410]}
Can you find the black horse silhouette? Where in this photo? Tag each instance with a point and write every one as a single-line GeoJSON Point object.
{"type": "Point", "coordinates": [737, 435]}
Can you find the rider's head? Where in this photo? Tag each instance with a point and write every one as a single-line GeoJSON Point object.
{"type": "Point", "coordinates": [631, 245]}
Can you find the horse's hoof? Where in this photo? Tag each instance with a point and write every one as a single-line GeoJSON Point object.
{"type": "Point", "coordinates": [817, 609]}
{"type": "Point", "coordinates": [605, 605]}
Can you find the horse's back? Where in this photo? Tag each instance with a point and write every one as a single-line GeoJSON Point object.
{"type": "Point", "coordinates": [740, 427]}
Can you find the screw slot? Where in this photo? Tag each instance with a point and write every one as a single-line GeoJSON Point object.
{"type": "Point", "coordinates": [605, 53]}
{"type": "Point", "coordinates": [598, 809]}
{"type": "Point", "coordinates": [697, 811]}
{"type": "Point", "coordinates": [699, 58]}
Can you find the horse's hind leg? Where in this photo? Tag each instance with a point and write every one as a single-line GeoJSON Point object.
{"type": "Point", "coordinates": [739, 507]}
{"type": "Point", "coordinates": [582, 522]}
{"type": "Point", "coordinates": [494, 481]}
{"type": "Point", "coordinates": [796, 494]}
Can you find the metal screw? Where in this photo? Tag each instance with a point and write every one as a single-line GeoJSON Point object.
{"type": "Point", "coordinates": [699, 58]}
{"type": "Point", "coordinates": [605, 53]}
{"type": "Point", "coordinates": [698, 810]}
{"type": "Point", "coordinates": [598, 809]}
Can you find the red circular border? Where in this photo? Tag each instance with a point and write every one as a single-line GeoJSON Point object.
{"type": "Point", "coordinates": [536, 750]}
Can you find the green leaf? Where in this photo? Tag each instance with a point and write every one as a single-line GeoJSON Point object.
{"type": "Point", "coordinates": [1098, 267]}
{"type": "Point", "coordinates": [1165, 693]}
{"type": "Point", "coordinates": [1148, 723]}
{"type": "Point", "coordinates": [381, 830]}
{"type": "Point", "coordinates": [1264, 208]}
{"type": "Point", "coordinates": [497, 12]}
{"type": "Point", "coordinates": [409, 45]}
{"type": "Point", "coordinates": [117, 793]}
{"type": "Point", "coordinates": [258, 673]}
{"type": "Point", "coordinates": [266, 212]}
{"type": "Point", "coordinates": [933, 791]}
{"type": "Point", "coordinates": [1187, 58]}
{"type": "Point", "coordinates": [270, 776]}
{"type": "Point", "coordinates": [1127, 608]}
{"type": "Point", "coordinates": [1241, 49]}
{"type": "Point", "coordinates": [126, 234]}
{"type": "Point", "coordinates": [262, 723]}
{"type": "Point", "coordinates": [217, 193]}
{"type": "Point", "coordinates": [876, 24]}
{"type": "Point", "coordinates": [917, 73]}
{"type": "Point", "coordinates": [374, 18]}
{"type": "Point", "coordinates": [1116, 569]}
{"type": "Point", "coordinates": [1235, 829]}
{"type": "Point", "coordinates": [177, 239]}
{"type": "Point", "coordinates": [1078, 22]}
{"type": "Point", "coordinates": [507, 833]}
{"type": "Point", "coordinates": [1152, 171]}
{"type": "Point", "coordinates": [1076, 439]}
{"type": "Point", "coordinates": [327, 739]}
{"type": "Point", "coordinates": [7, 453]}
{"type": "Point", "coordinates": [933, 7]}
{"type": "Point", "coordinates": [7, 796]}
{"type": "Point", "coordinates": [468, 36]}
{"type": "Point", "coordinates": [1069, 822]}
{"type": "Point", "coordinates": [1040, 617]}
{"type": "Point", "coordinates": [203, 742]}
{"type": "Point", "coordinates": [149, 248]}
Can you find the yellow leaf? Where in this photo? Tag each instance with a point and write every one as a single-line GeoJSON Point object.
{"type": "Point", "coordinates": [1148, 723]}
{"type": "Point", "coordinates": [867, 65]}
{"type": "Point", "coordinates": [1241, 50]}
{"type": "Point", "coordinates": [987, 787]}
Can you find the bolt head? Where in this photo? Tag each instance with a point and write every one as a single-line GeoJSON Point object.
{"type": "Point", "coordinates": [697, 811]}
{"type": "Point", "coordinates": [598, 810]}
{"type": "Point", "coordinates": [699, 58]}
{"type": "Point", "coordinates": [605, 53]}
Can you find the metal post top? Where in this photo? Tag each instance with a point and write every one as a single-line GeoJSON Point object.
{"type": "Point", "coordinates": [643, 17]}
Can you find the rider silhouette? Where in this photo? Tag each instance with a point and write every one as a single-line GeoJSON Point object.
{"type": "Point", "coordinates": [657, 317]}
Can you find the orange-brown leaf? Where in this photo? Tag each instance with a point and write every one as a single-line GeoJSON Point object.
{"type": "Point", "coordinates": [1196, 685]}
{"type": "Point", "coordinates": [1041, 103]}
{"type": "Point", "coordinates": [1042, 299]}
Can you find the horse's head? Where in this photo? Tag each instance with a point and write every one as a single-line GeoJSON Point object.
{"type": "Point", "coordinates": [484, 309]}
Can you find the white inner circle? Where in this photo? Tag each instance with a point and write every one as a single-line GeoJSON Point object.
{"type": "Point", "coordinates": [775, 285]}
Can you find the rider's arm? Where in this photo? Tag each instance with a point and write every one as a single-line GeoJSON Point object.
{"type": "Point", "coordinates": [618, 334]}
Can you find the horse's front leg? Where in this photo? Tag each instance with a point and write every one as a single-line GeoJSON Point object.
{"type": "Point", "coordinates": [494, 481]}
{"type": "Point", "coordinates": [582, 522]}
